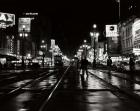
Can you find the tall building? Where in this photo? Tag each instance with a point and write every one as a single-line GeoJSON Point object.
{"type": "Point", "coordinates": [25, 45]}
{"type": "Point", "coordinates": [130, 36]}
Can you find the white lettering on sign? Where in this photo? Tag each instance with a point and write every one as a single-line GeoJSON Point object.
{"type": "Point", "coordinates": [136, 51]}
{"type": "Point", "coordinates": [136, 28]}
{"type": "Point", "coordinates": [24, 24]}
{"type": "Point", "coordinates": [111, 31]}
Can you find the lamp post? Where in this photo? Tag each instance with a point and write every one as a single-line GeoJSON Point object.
{"type": "Point", "coordinates": [94, 38]}
{"type": "Point", "coordinates": [85, 48]}
{"type": "Point", "coordinates": [23, 35]}
{"type": "Point", "coordinates": [43, 47]}
{"type": "Point", "coordinates": [79, 52]}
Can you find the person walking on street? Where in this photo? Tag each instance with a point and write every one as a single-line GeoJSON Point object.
{"type": "Point", "coordinates": [109, 64]}
{"type": "Point", "coordinates": [132, 64]}
{"type": "Point", "coordinates": [0, 66]}
{"type": "Point", "coordinates": [84, 65]}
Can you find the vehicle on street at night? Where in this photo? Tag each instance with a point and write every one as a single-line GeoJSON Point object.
{"type": "Point", "coordinates": [58, 60]}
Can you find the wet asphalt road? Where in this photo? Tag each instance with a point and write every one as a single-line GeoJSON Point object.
{"type": "Point", "coordinates": [91, 94]}
{"type": "Point", "coordinates": [77, 93]}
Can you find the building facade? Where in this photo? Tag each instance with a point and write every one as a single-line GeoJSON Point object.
{"type": "Point", "coordinates": [130, 36]}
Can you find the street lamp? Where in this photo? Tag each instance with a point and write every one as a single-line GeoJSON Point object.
{"type": "Point", "coordinates": [43, 47]}
{"type": "Point", "coordinates": [94, 26]}
{"type": "Point", "coordinates": [85, 48]}
{"type": "Point", "coordinates": [23, 35]}
{"type": "Point", "coordinates": [94, 38]}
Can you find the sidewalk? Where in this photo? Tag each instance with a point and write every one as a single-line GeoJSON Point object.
{"type": "Point", "coordinates": [136, 72]}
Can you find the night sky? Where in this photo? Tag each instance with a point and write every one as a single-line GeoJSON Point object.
{"type": "Point", "coordinates": [70, 22]}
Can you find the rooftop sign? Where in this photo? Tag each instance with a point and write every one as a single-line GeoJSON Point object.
{"type": "Point", "coordinates": [6, 20]}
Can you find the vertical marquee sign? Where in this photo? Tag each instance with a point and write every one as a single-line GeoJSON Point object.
{"type": "Point", "coordinates": [136, 36]}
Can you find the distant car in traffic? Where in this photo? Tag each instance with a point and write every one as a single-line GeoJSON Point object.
{"type": "Point", "coordinates": [58, 61]}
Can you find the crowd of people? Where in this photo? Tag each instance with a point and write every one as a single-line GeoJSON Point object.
{"type": "Point", "coordinates": [83, 65]}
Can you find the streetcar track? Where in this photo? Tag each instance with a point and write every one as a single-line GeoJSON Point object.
{"type": "Point", "coordinates": [21, 88]}
{"type": "Point", "coordinates": [46, 101]}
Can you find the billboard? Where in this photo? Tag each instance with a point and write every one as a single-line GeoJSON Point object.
{"type": "Point", "coordinates": [111, 31]}
{"type": "Point", "coordinates": [52, 43]}
{"type": "Point", "coordinates": [136, 29]}
{"type": "Point", "coordinates": [6, 20]}
{"type": "Point", "coordinates": [24, 24]}
{"type": "Point", "coordinates": [113, 45]}
{"type": "Point", "coordinates": [136, 36]}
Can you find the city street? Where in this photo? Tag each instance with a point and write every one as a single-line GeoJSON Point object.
{"type": "Point", "coordinates": [91, 93]}
{"type": "Point", "coordinates": [27, 88]}
{"type": "Point", "coordinates": [70, 55]}
{"type": "Point", "coordinates": [98, 91]}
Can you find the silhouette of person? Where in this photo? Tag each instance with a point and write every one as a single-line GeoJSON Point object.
{"type": "Point", "coordinates": [0, 66]}
{"type": "Point", "coordinates": [84, 65]}
{"type": "Point", "coordinates": [94, 63]}
{"type": "Point", "coordinates": [109, 64]}
{"type": "Point", "coordinates": [132, 63]}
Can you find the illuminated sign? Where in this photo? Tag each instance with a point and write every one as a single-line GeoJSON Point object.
{"type": "Point", "coordinates": [24, 24]}
{"type": "Point", "coordinates": [136, 29]}
{"type": "Point", "coordinates": [30, 13]}
{"type": "Point", "coordinates": [101, 51]}
{"type": "Point", "coordinates": [111, 31]}
{"type": "Point", "coordinates": [113, 45]}
{"type": "Point", "coordinates": [18, 47]}
{"type": "Point", "coordinates": [52, 43]}
{"type": "Point", "coordinates": [6, 20]}
{"type": "Point", "coordinates": [136, 51]}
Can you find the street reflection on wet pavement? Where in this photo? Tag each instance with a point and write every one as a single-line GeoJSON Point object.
{"type": "Point", "coordinates": [79, 93]}
{"type": "Point", "coordinates": [128, 84]}
{"type": "Point", "coordinates": [45, 84]}
{"type": "Point", "coordinates": [93, 95]}
{"type": "Point", "coordinates": [28, 99]}
{"type": "Point", "coordinates": [87, 82]}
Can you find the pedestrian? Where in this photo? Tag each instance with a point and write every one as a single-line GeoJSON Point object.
{"type": "Point", "coordinates": [132, 64]}
{"type": "Point", "coordinates": [84, 66]}
{"type": "Point", "coordinates": [109, 64]}
{"type": "Point", "coordinates": [76, 63]}
{"type": "Point", "coordinates": [94, 63]}
{"type": "Point", "coordinates": [0, 66]}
